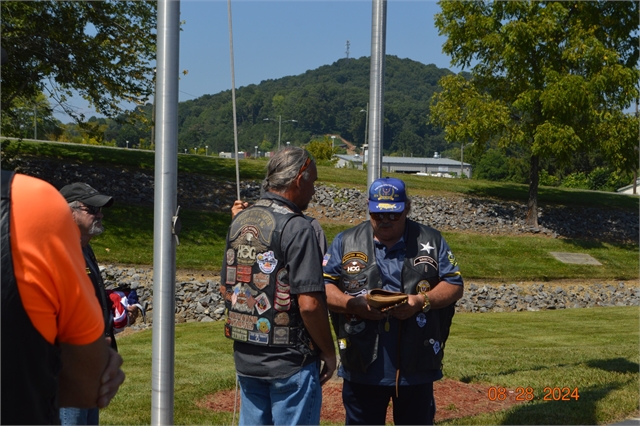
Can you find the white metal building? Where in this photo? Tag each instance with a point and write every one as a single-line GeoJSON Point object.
{"type": "Point", "coordinates": [432, 166]}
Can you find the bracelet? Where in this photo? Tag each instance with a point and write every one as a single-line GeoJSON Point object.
{"type": "Point", "coordinates": [427, 304]}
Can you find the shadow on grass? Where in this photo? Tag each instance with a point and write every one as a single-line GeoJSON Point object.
{"type": "Point", "coordinates": [549, 407]}
{"type": "Point", "coordinates": [617, 365]}
{"type": "Point", "coordinates": [558, 412]}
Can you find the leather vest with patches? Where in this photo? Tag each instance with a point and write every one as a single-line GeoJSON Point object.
{"type": "Point", "coordinates": [261, 308]}
{"type": "Point", "coordinates": [423, 336]}
{"type": "Point", "coordinates": [30, 364]}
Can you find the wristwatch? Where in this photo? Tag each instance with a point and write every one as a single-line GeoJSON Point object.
{"type": "Point", "coordinates": [427, 304]}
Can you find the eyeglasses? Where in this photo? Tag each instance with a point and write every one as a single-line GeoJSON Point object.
{"type": "Point", "coordinates": [388, 216]}
{"type": "Point", "coordinates": [93, 210]}
{"type": "Point", "coordinates": [305, 166]}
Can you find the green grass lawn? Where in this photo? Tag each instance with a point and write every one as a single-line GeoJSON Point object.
{"type": "Point", "coordinates": [594, 350]}
{"type": "Point", "coordinates": [128, 239]}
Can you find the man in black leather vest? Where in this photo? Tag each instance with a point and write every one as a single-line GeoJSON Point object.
{"type": "Point", "coordinates": [275, 296]}
{"type": "Point", "coordinates": [396, 354]}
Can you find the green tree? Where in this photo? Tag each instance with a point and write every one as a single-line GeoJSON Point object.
{"type": "Point", "coordinates": [101, 49]}
{"type": "Point", "coordinates": [547, 76]}
{"type": "Point", "coordinates": [321, 150]}
{"type": "Point", "coordinates": [32, 118]}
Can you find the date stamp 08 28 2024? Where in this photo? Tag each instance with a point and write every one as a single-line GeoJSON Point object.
{"type": "Point", "coordinates": [497, 393]}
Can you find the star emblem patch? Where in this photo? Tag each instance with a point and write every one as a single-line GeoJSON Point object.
{"type": "Point", "coordinates": [427, 247]}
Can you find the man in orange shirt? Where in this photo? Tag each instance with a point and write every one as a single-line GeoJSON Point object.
{"type": "Point", "coordinates": [53, 350]}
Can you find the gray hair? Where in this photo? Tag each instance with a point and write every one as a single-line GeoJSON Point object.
{"type": "Point", "coordinates": [75, 204]}
{"type": "Point", "coordinates": [283, 168]}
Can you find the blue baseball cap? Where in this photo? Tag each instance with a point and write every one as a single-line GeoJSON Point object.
{"type": "Point", "coordinates": [387, 195]}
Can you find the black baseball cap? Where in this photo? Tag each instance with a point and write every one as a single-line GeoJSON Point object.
{"type": "Point", "coordinates": [82, 192]}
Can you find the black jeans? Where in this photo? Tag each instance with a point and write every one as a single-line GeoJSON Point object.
{"type": "Point", "coordinates": [367, 404]}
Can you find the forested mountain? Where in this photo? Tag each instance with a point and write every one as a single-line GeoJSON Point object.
{"type": "Point", "coordinates": [329, 100]}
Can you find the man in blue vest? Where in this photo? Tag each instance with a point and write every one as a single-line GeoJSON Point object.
{"type": "Point", "coordinates": [396, 354]}
{"type": "Point", "coordinates": [275, 296]}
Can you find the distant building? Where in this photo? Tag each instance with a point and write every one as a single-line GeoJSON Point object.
{"type": "Point", "coordinates": [629, 188]}
{"type": "Point", "coordinates": [431, 166]}
{"type": "Point", "coordinates": [241, 155]}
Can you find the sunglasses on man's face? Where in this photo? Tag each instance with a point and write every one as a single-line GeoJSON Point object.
{"type": "Point", "coordinates": [93, 210]}
{"type": "Point", "coordinates": [386, 216]}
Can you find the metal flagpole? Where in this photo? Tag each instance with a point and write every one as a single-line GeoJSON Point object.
{"type": "Point", "coordinates": [233, 100]}
{"type": "Point", "coordinates": [376, 89]}
{"type": "Point", "coordinates": [165, 212]}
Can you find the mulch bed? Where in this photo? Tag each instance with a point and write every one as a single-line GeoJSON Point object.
{"type": "Point", "coordinates": [453, 400]}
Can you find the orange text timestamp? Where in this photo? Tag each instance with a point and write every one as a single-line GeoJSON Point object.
{"type": "Point", "coordinates": [497, 393]}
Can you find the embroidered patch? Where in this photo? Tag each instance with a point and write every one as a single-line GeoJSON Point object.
{"type": "Point", "coordinates": [425, 259]}
{"type": "Point", "coordinates": [238, 320]}
{"type": "Point", "coordinates": [436, 347]}
{"type": "Point", "coordinates": [452, 258]}
{"type": "Point", "coordinates": [231, 275]}
{"type": "Point", "coordinates": [244, 273]}
{"type": "Point", "coordinates": [355, 254]}
{"type": "Point", "coordinates": [242, 298]}
{"type": "Point", "coordinates": [354, 266]}
{"type": "Point", "coordinates": [325, 259]}
{"type": "Point", "coordinates": [353, 284]}
{"type": "Point", "coordinates": [282, 305]}
{"type": "Point", "coordinates": [280, 335]}
{"type": "Point", "coordinates": [342, 344]}
{"type": "Point", "coordinates": [261, 280]}
{"type": "Point", "coordinates": [263, 325]}
{"type": "Point", "coordinates": [239, 334]}
{"type": "Point", "coordinates": [263, 203]}
{"type": "Point", "coordinates": [421, 319]}
{"type": "Point", "coordinates": [427, 247]}
{"type": "Point", "coordinates": [267, 262]}
{"type": "Point", "coordinates": [260, 338]}
{"type": "Point", "coordinates": [258, 222]}
{"type": "Point", "coordinates": [231, 256]}
{"type": "Point", "coordinates": [281, 318]}
{"type": "Point", "coordinates": [262, 303]}
{"type": "Point", "coordinates": [281, 277]}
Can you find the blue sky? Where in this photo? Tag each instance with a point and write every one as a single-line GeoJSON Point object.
{"type": "Point", "coordinates": [274, 39]}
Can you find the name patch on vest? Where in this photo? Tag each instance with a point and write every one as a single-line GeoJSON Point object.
{"type": "Point", "coordinates": [356, 255]}
{"type": "Point", "coordinates": [427, 260]}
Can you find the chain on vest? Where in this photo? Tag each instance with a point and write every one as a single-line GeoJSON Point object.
{"type": "Point", "coordinates": [261, 309]}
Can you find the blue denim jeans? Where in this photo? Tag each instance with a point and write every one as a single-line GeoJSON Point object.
{"type": "Point", "coordinates": [79, 416]}
{"type": "Point", "coordinates": [294, 400]}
